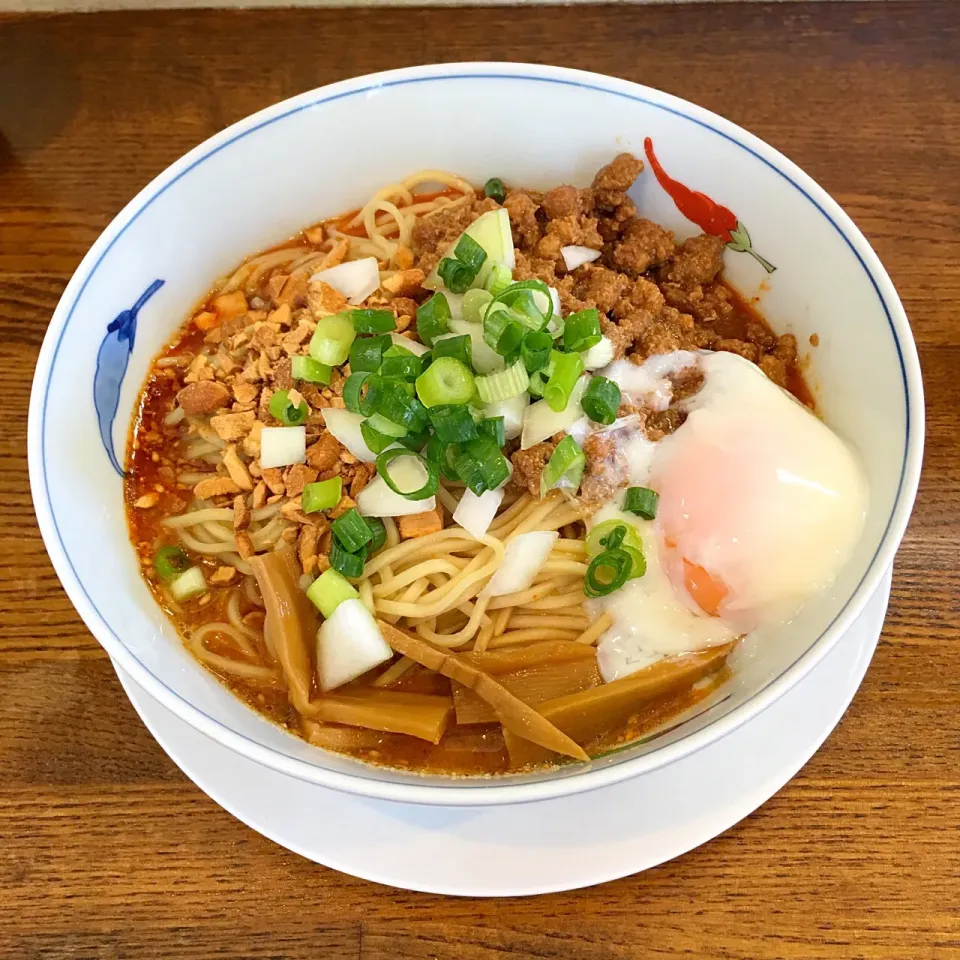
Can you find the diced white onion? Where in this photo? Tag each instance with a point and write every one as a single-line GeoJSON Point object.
{"type": "Point", "coordinates": [345, 426]}
{"type": "Point", "coordinates": [512, 411]}
{"type": "Point", "coordinates": [349, 643]}
{"type": "Point", "coordinates": [522, 560]}
{"type": "Point", "coordinates": [281, 446]}
{"type": "Point", "coordinates": [555, 324]}
{"type": "Point", "coordinates": [579, 430]}
{"type": "Point", "coordinates": [376, 499]}
{"type": "Point", "coordinates": [599, 355]}
{"type": "Point", "coordinates": [405, 343]}
{"type": "Point", "coordinates": [355, 279]}
{"type": "Point", "coordinates": [190, 583]}
{"type": "Point", "coordinates": [475, 514]}
{"type": "Point", "coordinates": [555, 299]}
{"type": "Point", "coordinates": [575, 257]}
{"type": "Point", "coordinates": [541, 421]}
{"type": "Point", "coordinates": [455, 303]}
{"type": "Point", "coordinates": [485, 358]}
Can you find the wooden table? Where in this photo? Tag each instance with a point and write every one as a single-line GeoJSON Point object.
{"type": "Point", "coordinates": [107, 851]}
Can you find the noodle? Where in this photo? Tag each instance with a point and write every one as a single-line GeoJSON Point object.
{"type": "Point", "coordinates": [596, 630]}
{"type": "Point", "coordinates": [531, 635]}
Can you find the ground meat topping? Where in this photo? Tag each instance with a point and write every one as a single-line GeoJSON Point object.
{"type": "Point", "coordinates": [523, 218]}
{"type": "Point", "coordinates": [528, 465]}
{"type": "Point", "coordinates": [564, 201]}
{"type": "Point", "coordinates": [697, 261]}
{"type": "Point", "coordinates": [606, 470]}
{"type": "Point", "coordinates": [645, 245]}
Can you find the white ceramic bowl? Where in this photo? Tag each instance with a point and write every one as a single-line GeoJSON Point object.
{"type": "Point", "coordinates": [324, 152]}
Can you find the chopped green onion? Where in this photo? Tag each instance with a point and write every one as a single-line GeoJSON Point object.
{"type": "Point", "coordinates": [379, 532]}
{"type": "Point", "coordinates": [474, 304]}
{"type": "Point", "coordinates": [524, 307]}
{"type": "Point", "coordinates": [433, 318]}
{"type": "Point", "coordinates": [357, 399]}
{"type": "Point", "coordinates": [607, 572]}
{"type": "Point", "coordinates": [642, 501]}
{"type": "Point", "coordinates": [601, 401]}
{"type": "Point", "coordinates": [495, 190]}
{"type": "Point", "coordinates": [502, 332]}
{"type": "Point", "coordinates": [581, 330]}
{"type": "Point", "coordinates": [564, 469]}
{"type": "Point", "coordinates": [616, 534]}
{"type": "Point", "coordinates": [470, 252]}
{"type": "Point", "coordinates": [395, 350]}
{"type": "Point", "coordinates": [414, 441]}
{"type": "Point", "coordinates": [460, 348]}
{"type": "Point", "coordinates": [401, 368]}
{"type": "Point", "coordinates": [456, 276]}
{"type": "Point", "coordinates": [446, 380]}
{"type": "Point", "coordinates": [639, 565]}
{"type": "Point", "coordinates": [366, 354]}
{"type": "Point", "coordinates": [520, 296]}
{"type": "Point", "coordinates": [567, 368]}
{"type": "Point", "coordinates": [373, 321]}
{"type": "Point", "coordinates": [615, 537]}
{"type": "Point", "coordinates": [599, 537]}
{"type": "Point", "coordinates": [494, 428]}
{"type": "Point", "coordinates": [443, 456]}
{"type": "Point", "coordinates": [345, 562]}
{"type": "Point", "coordinates": [306, 368]}
{"type": "Point", "coordinates": [352, 530]}
{"type": "Point", "coordinates": [453, 422]}
{"type": "Point", "coordinates": [537, 384]}
{"type": "Point", "coordinates": [503, 384]}
{"type": "Point", "coordinates": [289, 415]}
{"type": "Point", "coordinates": [170, 562]}
{"type": "Point", "coordinates": [459, 272]}
{"type": "Point", "coordinates": [189, 584]}
{"type": "Point", "coordinates": [499, 279]}
{"type": "Point", "coordinates": [622, 537]}
{"type": "Point", "coordinates": [374, 439]}
{"type": "Point", "coordinates": [481, 465]}
{"type": "Point", "coordinates": [329, 590]}
{"type": "Point", "coordinates": [388, 428]}
{"type": "Point", "coordinates": [535, 350]}
{"type": "Point", "coordinates": [322, 495]}
{"type": "Point", "coordinates": [398, 406]}
{"type": "Point", "coordinates": [331, 340]}
{"type": "Point", "coordinates": [430, 485]}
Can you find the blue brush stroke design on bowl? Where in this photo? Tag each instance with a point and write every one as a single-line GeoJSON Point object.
{"type": "Point", "coordinates": [112, 360]}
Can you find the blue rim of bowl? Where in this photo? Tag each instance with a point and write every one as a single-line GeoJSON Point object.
{"type": "Point", "coordinates": [432, 792]}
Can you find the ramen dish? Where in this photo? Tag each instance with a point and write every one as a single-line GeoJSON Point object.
{"type": "Point", "coordinates": [474, 481]}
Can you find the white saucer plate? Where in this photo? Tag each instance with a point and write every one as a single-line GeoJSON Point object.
{"type": "Point", "coordinates": [530, 848]}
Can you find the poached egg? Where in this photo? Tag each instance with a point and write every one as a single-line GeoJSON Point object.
{"type": "Point", "coordinates": [760, 505]}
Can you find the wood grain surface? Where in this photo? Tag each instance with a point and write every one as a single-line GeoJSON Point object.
{"type": "Point", "coordinates": [107, 851]}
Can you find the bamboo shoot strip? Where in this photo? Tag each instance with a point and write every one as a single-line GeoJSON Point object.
{"type": "Point", "coordinates": [419, 715]}
{"type": "Point", "coordinates": [533, 685]}
{"type": "Point", "coordinates": [584, 716]}
{"type": "Point", "coordinates": [549, 651]}
{"type": "Point", "coordinates": [517, 718]}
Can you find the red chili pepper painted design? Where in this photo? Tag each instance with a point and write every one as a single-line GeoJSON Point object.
{"type": "Point", "coordinates": [710, 217]}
